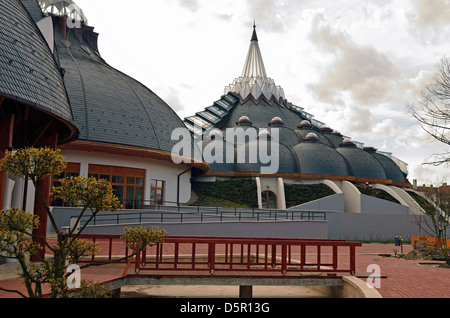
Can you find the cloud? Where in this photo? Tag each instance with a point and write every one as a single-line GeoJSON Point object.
{"type": "Point", "coordinates": [367, 74]}
{"type": "Point", "coordinates": [430, 19]}
{"type": "Point", "coordinates": [360, 120]}
{"type": "Point", "coordinates": [431, 13]}
{"type": "Point", "coordinates": [189, 4]}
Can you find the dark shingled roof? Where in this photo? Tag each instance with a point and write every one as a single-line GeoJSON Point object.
{"type": "Point", "coordinates": [32, 6]}
{"type": "Point", "coordinates": [317, 158]}
{"type": "Point", "coordinates": [262, 113]}
{"type": "Point", "coordinates": [28, 71]}
{"type": "Point", "coordinates": [362, 164]}
{"type": "Point", "coordinates": [108, 105]}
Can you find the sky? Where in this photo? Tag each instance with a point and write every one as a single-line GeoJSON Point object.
{"type": "Point", "coordinates": [354, 64]}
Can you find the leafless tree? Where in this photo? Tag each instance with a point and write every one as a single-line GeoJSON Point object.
{"type": "Point", "coordinates": [432, 110]}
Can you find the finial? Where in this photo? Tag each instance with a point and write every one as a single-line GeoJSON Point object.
{"type": "Point", "coordinates": [254, 36]}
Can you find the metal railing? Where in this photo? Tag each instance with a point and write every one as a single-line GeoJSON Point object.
{"type": "Point", "coordinates": [201, 216]}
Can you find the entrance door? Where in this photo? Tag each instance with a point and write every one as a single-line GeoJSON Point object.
{"type": "Point", "coordinates": [269, 200]}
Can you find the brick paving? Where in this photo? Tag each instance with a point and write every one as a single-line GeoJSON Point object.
{"type": "Point", "coordinates": [401, 278]}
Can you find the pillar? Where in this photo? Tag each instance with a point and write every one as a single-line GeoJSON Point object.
{"type": "Point", "coordinates": [41, 212]}
{"type": "Point", "coordinates": [246, 292]}
{"type": "Point", "coordinates": [44, 187]}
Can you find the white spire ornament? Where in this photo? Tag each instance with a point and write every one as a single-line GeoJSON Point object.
{"type": "Point", "coordinates": [254, 81]}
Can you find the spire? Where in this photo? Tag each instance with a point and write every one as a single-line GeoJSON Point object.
{"type": "Point", "coordinates": [254, 80]}
{"type": "Point", "coordinates": [254, 65]}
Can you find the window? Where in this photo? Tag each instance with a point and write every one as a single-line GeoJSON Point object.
{"type": "Point", "coordinates": [72, 170]}
{"type": "Point", "coordinates": [269, 200]}
{"type": "Point", "coordinates": [128, 183]}
{"type": "Point", "coordinates": [157, 192]}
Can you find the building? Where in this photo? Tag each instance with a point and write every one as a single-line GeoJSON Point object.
{"type": "Point", "coordinates": [56, 90]}
{"type": "Point", "coordinates": [308, 151]}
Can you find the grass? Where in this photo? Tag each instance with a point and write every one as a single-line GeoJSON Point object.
{"type": "Point", "coordinates": [427, 206]}
{"type": "Point", "coordinates": [377, 193]}
{"type": "Point", "coordinates": [297, 194]}
{"type": "Point", "coordinates": [232, 193]}
{"type": "Point", "coordinates": [243, 193]}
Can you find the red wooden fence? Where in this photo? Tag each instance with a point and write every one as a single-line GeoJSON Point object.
{"type": "Point", "coordinates": [221, 254]}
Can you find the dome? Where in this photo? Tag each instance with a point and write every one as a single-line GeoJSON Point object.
{"type": "Point", "coordinates": [306, 129]}
{"type": "Point", "coordinates": [312, 137]}
{"type": "Point", "coordinates": [347, 142]}
{"type": "Point", "coordinates": [276, 121]}
{"type": "Point", "coordinates": [392, 170]}
{"type": "Point", "coordinates": [320, 159]}
{"type": "Point", "coordinates": [109, 106]}
{"type": "Point", "coordinates": [63, 8]}
{"type": "Point", "coordinates": [215, 151]}
{"type": "Point", "coordinates": [244, 120]}
{"type": "Point", "coordinates": [264, 134]}
{"type": "Point", "coordinates": [325, 129]}
{"type": "Point", "coordinates": [29, 75]}
{"type": "Point", "coordinates": [284, 157]}
{"type": "Point", "coordinates": [362, 164]}
{"type": "Point", "coordinates": [262, 113]}
{"type": "Point", "coordinates": [305, 124]}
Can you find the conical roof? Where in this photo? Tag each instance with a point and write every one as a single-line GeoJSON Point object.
{"type": "Point", "coordinates": [254, 81]}
{"type": "Point", "coordinates": [28, 71]}
{"type": "Point", "coordinates": [254, 64]}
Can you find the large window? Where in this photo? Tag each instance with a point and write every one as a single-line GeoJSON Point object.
{"type": "Point", "coordinates": [72, 170]}
{"type": "Point", "coordinates": [128, 183]}
{"type": "Point", "coordinates": [157, 192]}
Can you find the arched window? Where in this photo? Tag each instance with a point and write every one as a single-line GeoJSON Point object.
{"type": "Point", "coordinates": [269, 200]}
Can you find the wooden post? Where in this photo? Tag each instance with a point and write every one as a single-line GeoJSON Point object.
{"type": "Point", "coordinates": [246, 292]}
{"type": "Point", "coordinates": [40, 234]}
{"type": "Point", "coordinates": [40, 210]}
{"type": "Point", "coordinates": [2, 183]}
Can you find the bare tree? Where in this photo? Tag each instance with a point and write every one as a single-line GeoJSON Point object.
{"type": "Point", "coordinates": [432, 111]}
{"type": "Point", "coordinates": [436, 221]}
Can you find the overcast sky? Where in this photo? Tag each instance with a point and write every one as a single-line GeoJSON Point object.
{"type": "Point", "coordinates": [353, 64]}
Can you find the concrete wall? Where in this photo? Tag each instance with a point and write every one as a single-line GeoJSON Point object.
{"type": "Point", "coordinates": [372, 205]}
{"type": "Point", "coordinates": [331, 203]}
{"type": "Point", "coordinates": [276, 229]}
{"type": "Point", "coordinates": [371, 227]}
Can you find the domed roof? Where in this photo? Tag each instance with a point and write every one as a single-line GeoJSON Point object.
{"type": "Point", "coordinates": [276, 122]}
{"type": "Point", "coordinates": [305, 128]}
{"type": "Point", "coordinates": [284, 162]}
{"type": "Point", "coordinates": [262, 113]}
{"type": "Point", "coordinates": [215, 151]}
{"type": "Point", "coordinates": [392, 170]}
{"type": "Point", "coordinates": [244, 120]}
{"type": "Point", "coordinates": [109, 106]}
{"type": "Point", "coordinates": [28, 71]}
{"type": "Point", "coordinates": [362, 164]}
{"type": "Point", "coordinates": [317, 158]}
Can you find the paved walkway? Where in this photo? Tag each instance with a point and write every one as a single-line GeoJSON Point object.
{"type": "Point", "coordinates": [401, 278]}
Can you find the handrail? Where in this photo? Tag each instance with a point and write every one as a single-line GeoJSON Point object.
{"type": "Point", "coordinates": [247, 255]}
{"type": "Point", "coordinates": [202, 217]}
